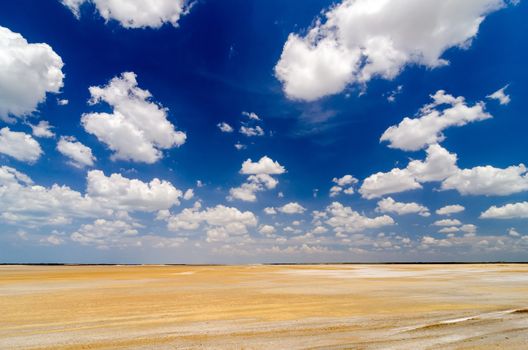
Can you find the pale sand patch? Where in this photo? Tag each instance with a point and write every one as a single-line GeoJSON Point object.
{"type": "Point", "coordinates": [264, 307]}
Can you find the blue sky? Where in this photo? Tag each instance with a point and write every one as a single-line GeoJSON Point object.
{"type": "Point", "coordinates": [135, 168]}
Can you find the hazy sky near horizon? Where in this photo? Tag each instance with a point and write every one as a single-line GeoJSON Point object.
{"type": "Point", "coordinates": [263, 131]}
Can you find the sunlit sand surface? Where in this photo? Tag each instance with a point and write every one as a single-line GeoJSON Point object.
{"type": "Point", "coordinates": [264, 307]}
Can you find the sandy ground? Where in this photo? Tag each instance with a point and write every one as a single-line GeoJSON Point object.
{"type": "Point", "coordinates": [264, 307]}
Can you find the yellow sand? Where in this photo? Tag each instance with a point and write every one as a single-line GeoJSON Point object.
{"type": "Point", "coordinates": [264, 307]}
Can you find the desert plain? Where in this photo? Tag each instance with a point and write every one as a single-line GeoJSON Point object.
{"type": "Point", "coordinates": [466, 306]}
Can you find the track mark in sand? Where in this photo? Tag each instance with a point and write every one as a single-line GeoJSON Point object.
{"type": "Point", "coordinates": [489, 316]}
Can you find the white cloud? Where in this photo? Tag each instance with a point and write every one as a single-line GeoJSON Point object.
{"type": "Point", "coordinates": [52, 240]}
{"type": "Point", "coordinates": [487, 180]}
{"type": "Point", "coordinates": [105, 233]}
{"type": "Point", "coordinates": [318, 230]}
{"type": "Point", "coordinates": [468, 228]}
{"type": "Point", "coordinates": [245, 192]}
{"type": "Point", "coordinates": [450, 209]}
{"type": "Point", "coordinates": [345, 181]}
{"type": "Point", "coordinates": [251, 131]}
{"type": "Point", "coordinates": [447, 222]}
{"type": "Point", "coordinates": [416, 133]}
{"type": "Point", "coordinates": [292, 208]}
{"type": "Point", "coordinates": [79, 154]}
{"type": "Point", "coordinates": [118, 192]}
{"type": "Point", "coordinates": [62, 101]}
{"type": "Point", "coordinates": [509, 211]}
{"type": "Point", "coordinates": [240, 146]}
{"type": "Point", "coordinates": [265, 165]}
{"type": "Point", "coordinates": [389, 205]}
{"type": "Point", "coordinates": [255, 183]}
{"type": "Point", "coordinates": [500, 96]}
{"type": "Point", "coordinates": [392, 95]}
{"type": "Point", "coordinates": [344, 219]}
{"type": "Point", "coordinates": [394, 181]}
{"type": "Point", "coordinates": [224, 127]}
{"type": "Point", "coordinates": [10, 176]}
{"type": "Point", "coordinates": [42, 129]}
{"type": "Point", "coordinates": [449, 229]}
{"type": "Point", "coordinates": [428, 241]}
{"type": "Point", "coordinates": [267, 230]}
{"type": "Point", "coordinates": [251, 115]}
{"type": "Point", "coordinates": [438, 165]}
{"type": "Point", "coordinates": [23, 202]}
{"type": "Point", "coordinates": [27, 73]}
{"type": "Point", "coordinates": [221, 221]}
{"type": "Point", "coordinates": [19, 145]}
{"type": "Point", "coordinates": [138, 128]}
{"type": "Point", "coordinates": [135, 13]}
{"type": "Point", "coordinates": [189, 194]}
{"type": "Point", "coordinates": [362, 39]}
{"type": "Point", "coordinates": [335, 190]}
{"type": "Point", "coordinates": [513, 232]}
{"type": "Point", "coordinates": [270, 211]}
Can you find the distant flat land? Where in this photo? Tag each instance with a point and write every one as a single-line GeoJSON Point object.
{"type": "Point", "coordinates": [469, 306]}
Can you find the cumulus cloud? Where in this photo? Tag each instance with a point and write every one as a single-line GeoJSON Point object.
{"type": "Point", "coordinates": [255, 183]}
{"type": "Point", "coordinates": [224, 127]}
{"type": "Point", "coordinates": [468, 228]}
{"type": "Point", "coordinates": [259, 179]}
{"type": "Point", "coordinates": [138, 128]}
{"type": "Point", "coordinates": [513, 232]}
{"type": "Point", "coordinates": [412, 134]}
{"type": "Point", "coordinates": [450, 209]}
{"type": "Point", "coordinates": [52, 240]}
{"type": "Point", "coordinates": [344, 219]}
{"type": "Point", "coordinates": [10, 176]}
{"type": "Point", "coordinates": [42, 129]}
{"type": "Point", "coordinates": [509, 211]}
{"type": "Point", "coordinates": [500, 96]}
{"type": "Point", "coordinates": [239, 146]}
{"type": "Point", "coordinates": [251, 131]}
{"type": "Point", "coordinates": [389, 205]}
{"type": "Point", "coordinates": [488, 180]}
{"type": "Point", "coordinates": [118, 192]}
{"type": "Point", "coordinates": [394, 181]}
{"type": "Point", "coordinates": [340, 183]}
{"type": "Point", "coordinates": [105, 233]}
{"type": "Point", "coordinates": [19, 145]}
{"type": "Point", "coordinates": [220, 222]}
{"type": "Point", "coordinates": [270, 211]}
{"type": "Point", "coordinates": [450, 229]}
{"type": "Point", "coordinates": [265, 165]}
{"type": "Point", "coordinates": [438, 165]}
{"type": "Point", "coordinates": [267, 230]}
{"type": "Point", "coordinates": [361, 39]}
{"type": "Point", "coordinates": [447, 222]}
{"type": "Point", "coordinates": [79, 154]}
{"type": "Point", "coordinates": [27, 73]}
{"type": "Point", "coordinates": [189, 194]}
{"type": "Point", "coordinates": [251, 116]}
{"type": "Point", "coordinates": [136, 13]}
{"type": "Point", "coordinates": [292, 208]}
{"type": "Point", "coordinates": [25, 203]}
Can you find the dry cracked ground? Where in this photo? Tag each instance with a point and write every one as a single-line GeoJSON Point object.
{"type": "Point", "coordinates": [470, 306]}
